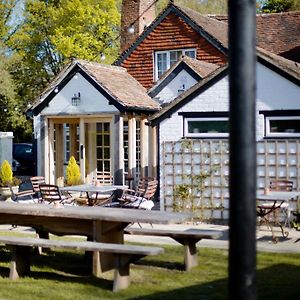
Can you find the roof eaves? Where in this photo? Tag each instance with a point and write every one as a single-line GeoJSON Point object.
{"type": "Point", "coordinates": [280, 65]}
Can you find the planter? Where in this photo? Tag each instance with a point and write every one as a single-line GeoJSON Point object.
{"type": "Point", "coordinates": [5, 193]}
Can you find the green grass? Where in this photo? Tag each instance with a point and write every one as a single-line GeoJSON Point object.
{"type": "Point", "coordinates": [65, 275]}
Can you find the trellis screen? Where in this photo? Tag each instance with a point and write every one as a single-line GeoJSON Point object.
{"type": "Point", "coordinates": [194, 174]}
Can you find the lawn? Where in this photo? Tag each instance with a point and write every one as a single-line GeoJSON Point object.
{"type": "Point", "coordinates": [65, 275]}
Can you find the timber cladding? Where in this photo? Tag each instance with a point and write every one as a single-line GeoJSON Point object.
{"type": "Point", "coordinates": [172, 33]}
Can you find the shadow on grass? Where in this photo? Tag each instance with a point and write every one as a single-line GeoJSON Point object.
{"type": "Point", "coordinates": [278, 281]}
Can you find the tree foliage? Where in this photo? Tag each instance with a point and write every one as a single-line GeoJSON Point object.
{"type": "Point", "coordinates": [55, 31]}
{"type": "Point", "coordinates": [43, 39]}
{"type": "Point", "coordinates": [276, 6]}
{"type": "Point", "coordinates": [202, 6]}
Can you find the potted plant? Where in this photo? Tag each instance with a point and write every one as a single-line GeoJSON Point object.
{"type": "Point", "coordinates": [8, 182]}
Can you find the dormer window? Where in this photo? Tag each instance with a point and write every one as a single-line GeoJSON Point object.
{"type": "Point", "coordinates": [165, 59]}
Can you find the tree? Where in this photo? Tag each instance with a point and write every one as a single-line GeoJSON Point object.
{"type": "Point", "coordinates": [53, 32]}
{"type": "Point", "coordinates": [276, 6]}
{"type": "Point", "coordinates": [201, 6]}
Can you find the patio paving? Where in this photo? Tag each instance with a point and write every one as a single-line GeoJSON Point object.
{"type": "Point", "coordinates": [263, 237]}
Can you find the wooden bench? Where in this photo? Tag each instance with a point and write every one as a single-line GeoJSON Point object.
{"type": "Point", "coordinates": [188, 238]}
{"type": "Point", "coordinates": [124, 255]}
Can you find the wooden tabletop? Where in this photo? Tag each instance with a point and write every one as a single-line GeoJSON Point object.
{"type": "Point", "coordinates": [93, 213]}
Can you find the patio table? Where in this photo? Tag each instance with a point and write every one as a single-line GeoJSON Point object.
{"type": "Point", "coordinates": [92, 189]}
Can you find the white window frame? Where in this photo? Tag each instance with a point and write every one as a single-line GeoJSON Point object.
{"type": "Point", "coordinates": [168, 58]}
{"type": "Point", "coordinates": [208, 134]}
{"type": "Point", "coordinates": [280, 134]}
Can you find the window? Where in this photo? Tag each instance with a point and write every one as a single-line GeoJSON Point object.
{"type": "Point", "coordinates": [285, 126]}
{"type": "Point", "coordinates": [103, 147]}
{"type": "Point", "coordinates": [206, 127]}
{"type": "Point", "coordinates": [165, 59]}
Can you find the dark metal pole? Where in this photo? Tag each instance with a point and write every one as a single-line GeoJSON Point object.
{"type": "Point", "coordinates": [242, 87]}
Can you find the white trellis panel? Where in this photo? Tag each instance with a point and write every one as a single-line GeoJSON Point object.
{"type": "Point", "coordinates": [183, 161]}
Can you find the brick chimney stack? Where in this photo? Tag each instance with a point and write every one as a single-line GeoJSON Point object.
{"type": "Point", "coordinates": [138, 12]}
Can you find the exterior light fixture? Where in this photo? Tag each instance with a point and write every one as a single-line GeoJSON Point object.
{"type": "Point", "coordinates": [56, 90]}
{"type": "Point", "coordinates": [102, 56]}
{"type": "Point", "coordinates": [130, 29]}
{"type": "Point", "coordinates": [76, 100]}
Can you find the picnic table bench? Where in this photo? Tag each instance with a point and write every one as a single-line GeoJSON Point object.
{"type": "Point", "coordinates": [123, 255]}
{"type": "Point", "coordinates": [188, 238]}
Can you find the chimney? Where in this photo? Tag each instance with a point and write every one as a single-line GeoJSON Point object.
{"type": "Point", "coordinates": [136, 15]}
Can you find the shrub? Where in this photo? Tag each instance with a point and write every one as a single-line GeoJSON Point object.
{"type": "Point", "coordinates": [6, 175]}
{"type": "Point", "coordinates": [73, 172]}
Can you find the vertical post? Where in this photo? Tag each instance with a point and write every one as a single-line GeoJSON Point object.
{"type": "Point", "coordinates": [50, 161]}
{"type": "Point", "coordinates": [132, 146]}
{"type": "Point", "coordinates": [82, 148]}
{"type": "Point", "coordinates": [242, 88]}
{"type": "Point", "coordinates": [144, 148]}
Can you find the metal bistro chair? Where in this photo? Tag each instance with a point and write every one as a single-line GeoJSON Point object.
{"type": "Point", "coordinates": [283, 185]}
{"type": "Point", "coordinates": [51, 194]}
{"type": "Point", "coordinates": [268, 211]}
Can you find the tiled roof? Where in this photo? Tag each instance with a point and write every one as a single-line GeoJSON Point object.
{"type": "Point", "coordinates": [120, 84]}
{"type": "Point", "coordinates": [214, 27]}
{"type": "Point", "coordinates": [278, 33]}
{"type": "Point", "coordinates": [201, 67]}
{"type": "Point", "coordinates": [115, 81]}
{"type": "Point", "coordinates": [287, 66]}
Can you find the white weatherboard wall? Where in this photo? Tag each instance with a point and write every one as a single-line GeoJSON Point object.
{"type": "Point", "coordinates": [91, 102]}
{"type": "Point", "coordinates": [170, 91]}
{"type": "Point", "coordinates": [274, 92]}
{"type": "Point", "coordinates": [213, 99]}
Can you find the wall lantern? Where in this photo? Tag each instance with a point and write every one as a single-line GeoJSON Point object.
{"type": "Point", "coordinates": [76, 99]}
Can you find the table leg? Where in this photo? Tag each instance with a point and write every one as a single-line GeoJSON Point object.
{"type": "Point", "coordinates": [106, 232]}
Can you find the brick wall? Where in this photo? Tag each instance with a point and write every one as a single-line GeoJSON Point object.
{"type": "Point", "coordinates": [171, 33]}
{"type": "Point", "coordinates": [133, 12]}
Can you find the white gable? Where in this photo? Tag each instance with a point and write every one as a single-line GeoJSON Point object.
{"type": "Point", "coordinates": [182, 81]}
{"type": "Point", "coordinates": [274, 92]}
{"type": "Point", "coordinates": [91, 100]}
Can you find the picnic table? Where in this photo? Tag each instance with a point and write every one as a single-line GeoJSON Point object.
{"type": "Point", "coordinates": [100, 224]}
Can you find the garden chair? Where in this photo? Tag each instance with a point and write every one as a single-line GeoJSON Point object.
{"type": "Point", "coordinates": [143, 195]}
{"type": "Point", "coordinates": [31, 195]}
{"type": "Point", "coordinates": [130, 195]}
{"type": "Point", "coordinates": [35, 182]}
{"type": "Point", "coordinates": [102, 178]}
{"type": "Point", "coordinates": [268, 211]}
{"type": "Point", "coordinates": [283, 185]}
{"type": "Point", "coordinates": [51, 194]}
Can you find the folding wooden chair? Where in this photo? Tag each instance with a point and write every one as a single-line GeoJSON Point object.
{"type": "Point", "coordinates": [51, 194]}
{"type": "Point", "coordinates": [102, 178]}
